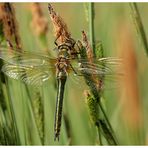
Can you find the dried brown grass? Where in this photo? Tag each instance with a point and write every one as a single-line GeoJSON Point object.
{"type": "Point", "coordinates": [39, 22]}
{"type": "Point", "coordinates": [131, 110]}
{"type": "Point", "coordinates": [10, 27]}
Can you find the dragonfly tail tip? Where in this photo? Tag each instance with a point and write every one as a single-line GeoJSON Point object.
{"type": "Point", "coordinates": [56, 137]}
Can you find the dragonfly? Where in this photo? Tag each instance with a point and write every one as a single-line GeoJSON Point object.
{"type": "Point", "coordinates": [35, 68]}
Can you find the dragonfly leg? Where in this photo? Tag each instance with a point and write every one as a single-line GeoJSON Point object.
{"type": "Point", "coordinates": [79, 46]}
{"type": "Point", "coordinates": [55, 42]}
{"type": "Point", "coordinates": [9, 44]}
{"type": "Point", "coordinates": [75, 72]}
{"type": "Point", "coordinates": [73, 69]}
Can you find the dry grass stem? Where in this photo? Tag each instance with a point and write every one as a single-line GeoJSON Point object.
{"type": "Point", "coordinates": [10, 27]}
{"type": "Point", "coordinates": [129, 83]}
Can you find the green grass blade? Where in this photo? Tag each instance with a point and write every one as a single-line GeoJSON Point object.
{"type": "Point", "coordinates": [139, 25]}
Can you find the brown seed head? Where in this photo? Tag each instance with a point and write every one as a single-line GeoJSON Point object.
{"type": "Point", "coordinates": [10, 27]}
{"type": "Point", "coordinates": [61, 30]}
{"type": "Point", "coordinates": [87, 46]}
{"type": "Point", "coordinates": [39, 23]}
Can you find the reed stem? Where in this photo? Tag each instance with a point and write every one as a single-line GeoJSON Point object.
{"type": "Point", "coordinates": [139, 26]}
{"type": "Point", "coordinates": [14, 122]}
{"type": "Point", "coordinates": [91, 25]}
{"type": "Point", "coordinates": [110, 129]}
{"type": "Point", "coordinates": [99, 133]}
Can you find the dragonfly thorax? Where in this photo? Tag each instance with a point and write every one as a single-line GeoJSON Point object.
{"type": "Point", "coordinates": [64, 53]}
{"type": "Point", "coordinates": [68, 47]}
{"type": "Point", "coordinates": [68, 44]}
{"type": "Point", "coordinates": [62, 67]}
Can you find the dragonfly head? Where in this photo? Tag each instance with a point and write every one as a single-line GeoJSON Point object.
{"type": "Point", "coordinates": [67, 47]}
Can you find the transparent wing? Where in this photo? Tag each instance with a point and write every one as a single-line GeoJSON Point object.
{"type": "Point", "coordinates": [31, 75]}
{"type": "Point", "coordinates": [104, 71]}
{"type": "Point", "coordinates": [108, 83]}
{"type": "Point", "coordinates": [26, 58]}
{"type": "Point", "coordinates": [103, 66]}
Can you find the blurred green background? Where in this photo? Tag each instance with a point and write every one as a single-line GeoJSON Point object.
{"type": "Point", "coordinates": [110, 19]}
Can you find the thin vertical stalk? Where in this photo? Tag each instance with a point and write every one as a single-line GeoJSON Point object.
{"type": "Point", "coordinates": [107, 133]}
{"type": "Point", "coordinates": [14, 122]}
{"type": "Point", "coordinates": [139, 26]}
{"type": "Point", "coordinates": [109, 125]}
{"type": "Point", "coordinates": [24, 114]}
{"type": "Point", "coordinates": [32, 109]}
{"type": "Point", "coordinates": [99, 132]}
{"type": "Point", "coordinates": [91, 25]}
{"type": "Point", "coordinates": [96, 94]}
{"type": "Point", "coordinates": [100, 54]}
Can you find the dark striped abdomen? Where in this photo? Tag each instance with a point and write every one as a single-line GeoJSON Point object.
{"type": "Point", "coordinates": [59, 106]}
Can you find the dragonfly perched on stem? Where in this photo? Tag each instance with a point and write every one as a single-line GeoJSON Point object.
{"type": "Point", "coordinates": [35, 68]}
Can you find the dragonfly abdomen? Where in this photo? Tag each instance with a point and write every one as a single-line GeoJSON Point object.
{"type": "Point", "coordinates": [59, 106]}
